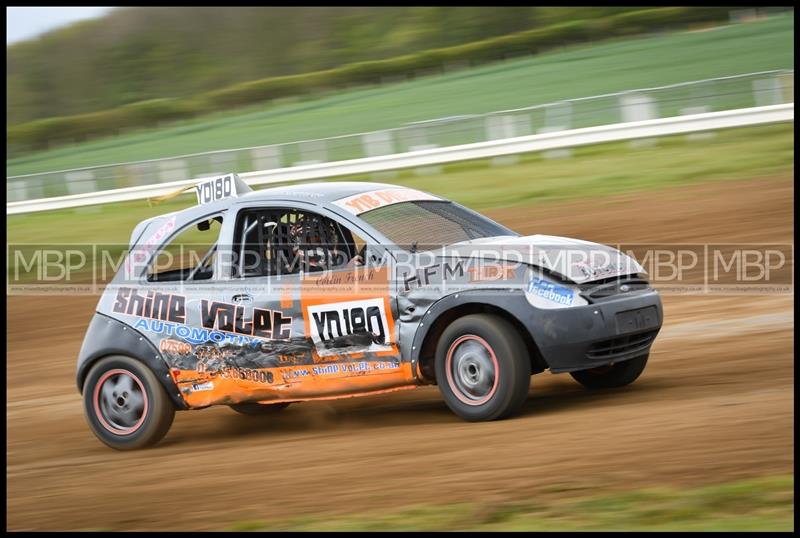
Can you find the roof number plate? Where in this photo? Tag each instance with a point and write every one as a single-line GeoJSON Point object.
{"type": "Point", "coordinates": [216, 189]}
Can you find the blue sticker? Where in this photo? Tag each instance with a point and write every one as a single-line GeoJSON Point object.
{"type": "Point", "coordinates": [550, 291]}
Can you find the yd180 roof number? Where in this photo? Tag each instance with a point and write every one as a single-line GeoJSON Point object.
{"type": "Point", "coordinates": [215, 189]}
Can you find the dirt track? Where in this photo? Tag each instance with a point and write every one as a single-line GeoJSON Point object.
{"type": "Point", "coordinates": [716, 403]}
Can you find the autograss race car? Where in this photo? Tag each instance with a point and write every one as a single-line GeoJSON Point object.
{"type": "Point", "coordinates": [259, 299]}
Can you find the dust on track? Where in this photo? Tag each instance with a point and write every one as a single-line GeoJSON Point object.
{"type": "Point", "coordinates": [716, 403]}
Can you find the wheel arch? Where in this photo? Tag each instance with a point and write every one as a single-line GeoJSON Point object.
{"type": "Point", "coordinates": [106, 337]}
{"type": "Point", "coordinates": [445, 311]}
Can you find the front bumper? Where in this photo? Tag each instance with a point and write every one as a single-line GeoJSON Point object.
{"type": "Point", "coordinates": [582, 337]}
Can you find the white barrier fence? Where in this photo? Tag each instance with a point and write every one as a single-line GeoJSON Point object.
{"type": "Point", "coordinates": [427, 157]}
{"type": "Point", "coordinates": [731, 92]}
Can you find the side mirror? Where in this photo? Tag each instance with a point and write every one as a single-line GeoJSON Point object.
{"type": "Point", "coordinates": [204, 225]}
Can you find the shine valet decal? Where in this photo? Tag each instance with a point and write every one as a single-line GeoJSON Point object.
{"type": "Point", "coordinates": [165, 314]}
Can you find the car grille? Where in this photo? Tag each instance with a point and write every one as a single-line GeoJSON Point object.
{"type": "Point", "coordinates": [628, 345]}
{"type": "Point", "coordinates": [610, 287]}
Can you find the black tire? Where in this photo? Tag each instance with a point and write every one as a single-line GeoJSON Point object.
{"type": "Point", "coordinates": [125, 405]}
{"type": "Point", "coordinates": [257, 409]}
{"type": "Point", "coordinates": [616, 375]}
{"type": "Point", "coordinates": [489, 379]}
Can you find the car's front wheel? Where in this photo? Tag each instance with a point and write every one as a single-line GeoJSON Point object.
{"type": "Point", "coordinates": [125, 405]}
{"type": "Point", "coordinates": [613, 375]}
{"type": "Point", "coordinates": [482, 368]}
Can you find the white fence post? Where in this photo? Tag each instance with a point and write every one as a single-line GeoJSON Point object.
{"type": "Point", "coordinates": [142, 173]}
{"type": "Point", "coordinates": [174, 170]}
{"type": "Point", "coordinates": [420, 137]}
{"type": "Point", "coordinates": [557, 117]}
{"type": "Point", "coordinates": [379, 143]}
{"type": "Point", "coordinates": [267, 157]}
{"type": "Point", "coordinates": [767, 91]}
{"type": "Point", "coordinates": [312, 152]}
{"type": "Point", "coordinates": [82, 182]}
{"type": "Point", "coordinates": [787, 85]}
{"type": "Point", "coordinates": [688, 111]}
{"type": "Point", "coordinates": [499, 127]}
{"type": "Point", "coordinates": [19, 192]}
{"type": "Point", "coordinates": [638, 107]}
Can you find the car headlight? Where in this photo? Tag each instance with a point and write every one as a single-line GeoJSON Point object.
{"type": "Point", "coordinates": [543, 292]}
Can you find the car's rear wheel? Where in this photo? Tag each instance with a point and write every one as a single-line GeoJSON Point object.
{"type": "Point", "coordinates": [257, 409]}
{"type": "Point", "coordinates": [125, 405]}
{"type": "Point", "coordinates": [613, 375]}
{"type": "Point", "coordinates": [482, 368]}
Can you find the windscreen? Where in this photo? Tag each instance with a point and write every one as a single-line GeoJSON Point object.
{"type": "Point", "coordinates": [426, 225]}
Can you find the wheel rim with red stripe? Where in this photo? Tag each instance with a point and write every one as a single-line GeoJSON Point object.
{"type": "Point", "coordinates": [471, 369]}
{"type": "Point", "coordinates": [120, 401]}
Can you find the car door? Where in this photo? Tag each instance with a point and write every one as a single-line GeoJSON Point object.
{"type": "Point", "coordinates": [333, 320]}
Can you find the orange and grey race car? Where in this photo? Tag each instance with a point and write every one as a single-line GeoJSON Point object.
{"type": "Point", "coordinates": [259, 299]}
